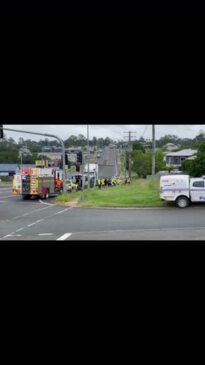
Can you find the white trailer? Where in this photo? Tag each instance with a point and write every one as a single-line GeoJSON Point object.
{"type": "Point", "coordinates": [182, 189]}
{"type": "Point", "coordinates": [93, 172]}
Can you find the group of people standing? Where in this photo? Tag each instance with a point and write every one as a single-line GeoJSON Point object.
{"type": "Point", "coordinates": [113, 181]}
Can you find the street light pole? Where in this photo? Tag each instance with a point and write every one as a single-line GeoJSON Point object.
{"type": "Point", "coordinates": [153, 150]}
{"type": "Point", "coordinates": [88, 152]}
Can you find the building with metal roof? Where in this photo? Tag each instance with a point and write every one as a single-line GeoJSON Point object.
{"type": "Point", "coordinates": [176, 158]}
{"type": "Point", "coordinates": [11, 168]}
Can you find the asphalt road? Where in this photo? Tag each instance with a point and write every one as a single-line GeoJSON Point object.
{"type": "Point", "coordinates": [44, 220]}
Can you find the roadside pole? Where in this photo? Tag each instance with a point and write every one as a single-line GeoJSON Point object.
{"type": "Point", "coordinates": [153, 150]}
{"type": "Point", "coordinates": [88, 151]}
{"type": "Point", "coordinates": [47, 135]}
{"type": "Point", "coordinates": [21, 158]}
{"type": "Point", "coordinates": [129, 153]}
{"type": "Point", "coordinates": [83, 180]}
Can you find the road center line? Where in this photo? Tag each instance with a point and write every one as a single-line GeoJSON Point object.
{"type": "Point", "coordinates": [33, 211]}
{"type": "Point", "coordinates": [32, 224]}
{"type": "Point", "coordinates": [20, 229]}
{"type": "Point", "coordinates": [63, 238]}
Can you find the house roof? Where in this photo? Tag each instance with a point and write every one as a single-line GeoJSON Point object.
{"type": "Point", "coordinates": [183, 153]}
{"type": "Point", "coordinates": [11, 167]}
{"type": "Point", "coordinates": [170, 145]}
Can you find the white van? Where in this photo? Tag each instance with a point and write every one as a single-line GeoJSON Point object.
{"type": "Point", "coordinates": [182, 189]}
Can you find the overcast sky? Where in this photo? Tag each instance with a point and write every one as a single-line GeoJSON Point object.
{"type": "Point", "coordinates": [114, 131]}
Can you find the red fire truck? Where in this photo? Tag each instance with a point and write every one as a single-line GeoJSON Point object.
{"type": "Point", "coordinates": [38, 181]}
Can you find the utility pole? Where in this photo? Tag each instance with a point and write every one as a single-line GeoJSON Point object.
{"type": "Point", "coordinates": [21, 153]}
{"type": "Point", "coordinates": [88, 152]}
{"type": "Point", "coordinates": [153, 150]}
{"type": "Point", "coordinates": [129, 151]}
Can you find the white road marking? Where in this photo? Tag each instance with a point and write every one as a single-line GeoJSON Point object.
{"type": "Point", "coordinates": [47, 203]}
{"type": "Point", "coordinates": [10, 234]}
{"type": "Point", "coordinates": [45, 234]}
{"type": "Point", "coordinates": [64, 210]}
{"type": "Point", "coordinates": [32, 224]}
{"type": "Point", "coordinates": [33, 211]}
{"type": "Point", "coordinates": [38, 221]}
{"type": "Point", "coordinates": [20, 229]}
{"type": "Point", "coordinates": [63, 238]}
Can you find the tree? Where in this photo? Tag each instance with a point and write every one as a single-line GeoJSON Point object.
{"type": "Point", "coordinates": [159, 161]}
{"type": "Point", "coordinates": [188, 167]}
{"type": "Point", "coordinates": [107, 141]}
{"type": "Point", "coordinates": [11, 140]}
{"type": "Point", "coordinates": [167, 139]}
{"type": "Point", "coordinates": [31, 158]}
{"type": "Point", "coordinates": [94, 141]}
{"type": "Point", "coordinates": [142, 164]}
{"type": "Point", "coordinates": [196, 167]}
{"type": "Point", "coordinates": [20, 141]}
{"type": "Point", "coordinates": [100, 142]}
{"type": "Point", "coordinates": [82, 141]}
{"type": "Point", "coordinates": [137, 146]}
{"type": "Point", "coordinates": [72, 141]}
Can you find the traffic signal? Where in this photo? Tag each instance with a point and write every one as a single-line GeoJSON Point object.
{"type": "Point", "coordinates": [67, 162]}
{"type": "Point", "coordinates": [66, 159]}
{"type": "Point", "coordinates": [1, 131]}
{"type": "Point", "coordinates": [77, 167]}
{"type": "Point", "coordinates": [79, 157]}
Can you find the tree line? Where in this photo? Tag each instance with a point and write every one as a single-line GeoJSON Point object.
{"type": "Point", "coordinates": [141, 157]}
{"type": "Point", "coordinates": [10, 149]}
{"type": "Point", "coordinates": [141, 154]}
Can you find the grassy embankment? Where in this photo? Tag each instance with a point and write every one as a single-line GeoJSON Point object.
{"type": "Point", "coordinates": [140, 193]}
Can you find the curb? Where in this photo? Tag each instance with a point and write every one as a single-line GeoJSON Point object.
{"type": "Point", "coordinates": [74, 205]}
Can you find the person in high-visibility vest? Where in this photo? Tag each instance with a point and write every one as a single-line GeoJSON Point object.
{"type": "Point", "coordinates": [99, 183]}
{"type": "Point", "coordinates": [103, 182]}
{"type": "Point", "coordinates": [113, 181]}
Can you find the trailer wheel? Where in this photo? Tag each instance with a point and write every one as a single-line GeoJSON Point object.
{"type": "Point", "coordinates": [182, 202]}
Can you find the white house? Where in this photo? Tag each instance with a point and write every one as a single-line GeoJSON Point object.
{"type": "Point", "coordinates": [176, 158]}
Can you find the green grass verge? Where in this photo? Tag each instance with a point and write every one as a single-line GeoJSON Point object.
{"type": "Point", "coordinates": [65, 198]}
{"type": "Point", "coordinates": [140, 193]}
